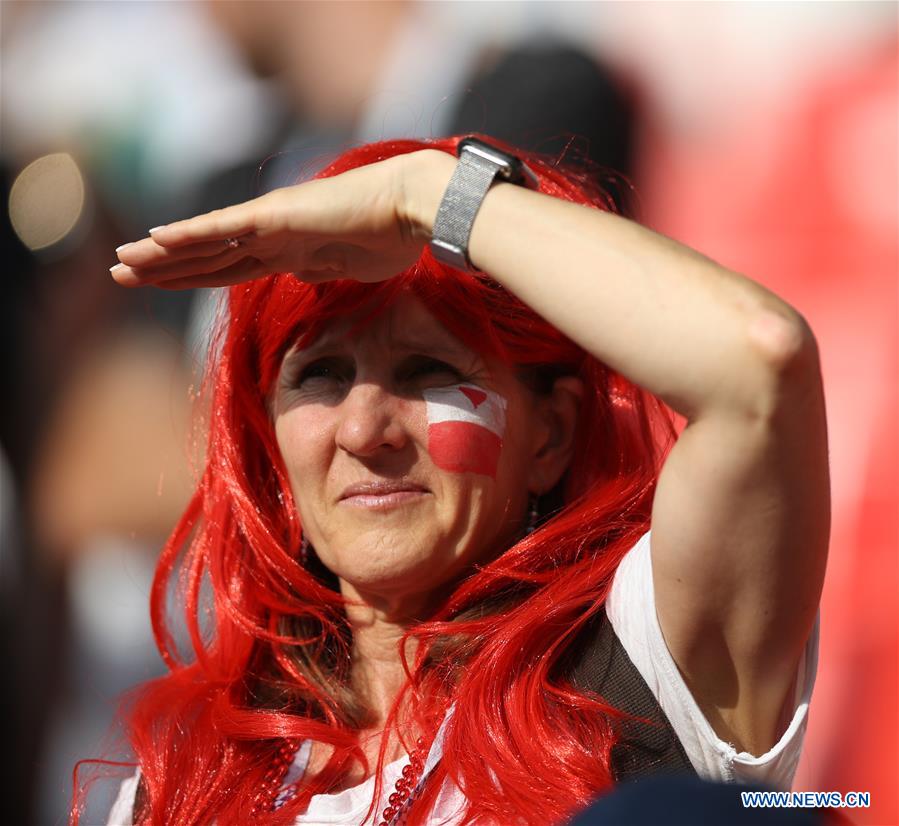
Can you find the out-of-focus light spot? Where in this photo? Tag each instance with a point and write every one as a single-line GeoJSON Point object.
{"type": "Point", "coordinates": [46, 200]}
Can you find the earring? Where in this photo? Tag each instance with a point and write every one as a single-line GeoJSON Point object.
{"type": "Point", "coordinates": [533, 514]}
{"type": "Point", "coordinates": [304, 551]}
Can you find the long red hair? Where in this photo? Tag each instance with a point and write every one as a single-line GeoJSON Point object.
{"type": "Point", "coordinates": [269, 636]}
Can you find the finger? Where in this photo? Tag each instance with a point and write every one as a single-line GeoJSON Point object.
{"type": "Point", "coordinates": [129, 276]}
{"type": "Point", "coordinates": [204, 281]}
{"type": "Point", "coordinates": [147, 253]}
{"type": "Point", "coordinates": [244, 270]}
{"type": "Point", "coordinates": [230, 222]}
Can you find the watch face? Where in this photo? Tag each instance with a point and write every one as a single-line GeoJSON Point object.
{"type": "Point", "coordinates": [508, 167]}
{"type": "Point", "coordinates": [484, 151]}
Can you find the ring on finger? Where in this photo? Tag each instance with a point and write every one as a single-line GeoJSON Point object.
{"type": "Point", "coordinates": [232, 243]}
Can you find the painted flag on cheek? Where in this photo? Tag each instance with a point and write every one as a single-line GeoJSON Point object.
{"type": "Point", "coordinates": [466, 424]}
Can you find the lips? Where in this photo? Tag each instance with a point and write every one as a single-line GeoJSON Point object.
{"type": "Point", "coordinates": [382, 487]}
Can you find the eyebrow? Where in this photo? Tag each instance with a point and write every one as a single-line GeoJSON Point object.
{"type": "Point", "coordinates": [442, 346]}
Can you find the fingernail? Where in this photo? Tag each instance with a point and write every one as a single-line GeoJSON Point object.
{"type": "Point", "coordinates": [124, 246]}
{"type": "Point", "coordinates": [116, 267]}
{"type": "Point", "coordinates": [161, 226]}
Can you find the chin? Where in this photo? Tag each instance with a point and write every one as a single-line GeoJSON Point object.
{"type": "Point", "coordinates": [378, 569]}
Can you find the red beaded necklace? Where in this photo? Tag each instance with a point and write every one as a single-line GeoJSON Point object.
{"type": "Point", "coordinates": [270, 786]}
{"type": "Point", "coordinates": [404, 788]}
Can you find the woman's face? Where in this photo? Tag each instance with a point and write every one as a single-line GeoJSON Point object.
{"type": "Point", "coordinates": [409, 457]}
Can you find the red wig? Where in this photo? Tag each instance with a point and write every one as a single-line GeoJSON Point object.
{"type": "Point", "coordinates": [270, 638]}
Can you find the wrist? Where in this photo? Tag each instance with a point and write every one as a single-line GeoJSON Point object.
{"type": "Point", "coordinates": [425, 176]}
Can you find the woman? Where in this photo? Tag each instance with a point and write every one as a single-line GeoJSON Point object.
{"type": "Point", "coordinates": [426, 489]}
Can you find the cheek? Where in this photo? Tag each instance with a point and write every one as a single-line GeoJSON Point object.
{"type": "Point", "coordinates": [461, 449]}
{"type": "Point", "coordinates": [301, 438]}
{"type": "Point", "coordinates": [466, 426]}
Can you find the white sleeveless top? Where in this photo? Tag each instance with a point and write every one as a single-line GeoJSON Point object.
{"type": "Point", "coordinates": [630, 608]}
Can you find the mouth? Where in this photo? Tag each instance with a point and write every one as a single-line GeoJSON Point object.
{"type": "Point", "coordinates": [383, 495]}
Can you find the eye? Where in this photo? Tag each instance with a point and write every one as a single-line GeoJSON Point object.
{"type": "Point", "coordinates": [324, 370]}
{"type": "Point", "coordinates": [422, 367]}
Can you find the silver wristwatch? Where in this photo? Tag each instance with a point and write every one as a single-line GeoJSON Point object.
{"type": "Point", "coordinates": [479, 166]}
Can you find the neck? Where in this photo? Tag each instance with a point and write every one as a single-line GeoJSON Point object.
{"type": "Point", "coordinates": [377, 626]}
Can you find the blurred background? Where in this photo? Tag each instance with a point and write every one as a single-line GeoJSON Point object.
{"type": "Point", "coordinates": [763, 134]}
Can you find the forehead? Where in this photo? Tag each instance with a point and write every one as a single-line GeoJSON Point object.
{"type": "Point", "coordinates": [406, 324]}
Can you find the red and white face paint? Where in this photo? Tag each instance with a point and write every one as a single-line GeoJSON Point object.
{"type": "Point", "coordinates": [466, 424]}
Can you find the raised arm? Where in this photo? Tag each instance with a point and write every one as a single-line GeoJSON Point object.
{"type": "Point", "coordinates": [740, 521]}
{"type": "Point", "coordinates": [741, 515]}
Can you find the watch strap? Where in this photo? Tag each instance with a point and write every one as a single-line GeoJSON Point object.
{"type": "Point", "coordinates": [480, 164]}
{"type": "Point", "coordinates": [472, 178]}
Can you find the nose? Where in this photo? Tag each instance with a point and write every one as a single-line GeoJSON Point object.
{"type": "Point", "coordinates": [370, 421]}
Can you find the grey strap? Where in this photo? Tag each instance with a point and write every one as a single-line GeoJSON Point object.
{"type": "Point", "coordinates": [473, 176]}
